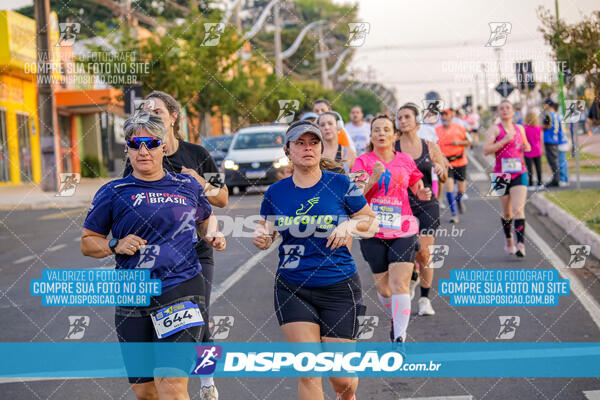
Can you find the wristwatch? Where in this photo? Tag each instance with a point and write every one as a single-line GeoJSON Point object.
{"type": "Point", "coordinates": [112, 244]}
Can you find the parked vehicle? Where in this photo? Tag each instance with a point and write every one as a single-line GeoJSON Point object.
{"type": "Point", "coordinates": [255, 157]}
{"type": "Point", "coordinates": [218, 146]}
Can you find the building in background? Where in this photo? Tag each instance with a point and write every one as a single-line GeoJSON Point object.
{"type": "Point", "coordinates": [20, 158]}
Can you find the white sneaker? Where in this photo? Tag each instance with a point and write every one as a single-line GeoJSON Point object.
{"type": "Point", "coordinates": [532, 188]}
{"type": "Point", "coordinates": [425, 307]}
{"type": "Point", "coordinates": [413, 286]}
{"type": "Point", "coordinates": [209, 393]}
{"type": "Point", "coordinates": [563, 184]}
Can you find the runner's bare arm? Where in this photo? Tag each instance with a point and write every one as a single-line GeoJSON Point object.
{"type": "Point", "coordinates": [218, 200]}
{"type": "Point", "coordinates": [209, 231]}
{"type": "Point", "coordinates": [264, 234]}
{"type": "Point", "coordinates": [362, 223]}
{"type": "Point", "coordinates": [526, 145]}
{"type": "Point", "coordinates": [438, 158]}
{"type": "Point", "coordinates": [422, 192]}
{"type": "Point", "coordinates": [350, 157]}
{"type": "Point", "coordinates": [490, 137]}
{"type": "Point", "coordinates": [96, 245]}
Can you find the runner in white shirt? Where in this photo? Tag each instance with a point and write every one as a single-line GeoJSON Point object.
{"type": "Point", "coordinates": [358, 129]}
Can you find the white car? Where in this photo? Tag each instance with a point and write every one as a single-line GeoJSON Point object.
{"type": "Point", "coordinates": [255, 156]}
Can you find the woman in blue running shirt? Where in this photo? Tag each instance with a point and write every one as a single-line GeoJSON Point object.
{"type": "Point", "coordinates": [317, 290]}
{"type": "Point", "coordinates": [155, 218]}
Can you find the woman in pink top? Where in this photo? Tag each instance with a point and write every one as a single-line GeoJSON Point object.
{"type": "Point", "coordinates": [507, 142]}
{"type": "Point", "coordinates": [533, 132]}
{"type": "Point", "coordinates": [391, 253]}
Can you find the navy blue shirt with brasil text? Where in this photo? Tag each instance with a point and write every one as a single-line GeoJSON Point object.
{"type": "Point", "coordinates": [163, 212]}
{"type": "Point", "coordinates": [305, 217]}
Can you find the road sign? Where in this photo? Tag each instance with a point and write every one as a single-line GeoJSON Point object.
{"type": "Point", "coordinates": [505, 88]}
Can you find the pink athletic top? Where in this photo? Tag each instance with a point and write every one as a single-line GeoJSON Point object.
{"type": "Point", "coordinates": [533, 134]}
{"type": "Point", "coordinates": [389, 197]}
{"type": "Point", "coordinates": [509, 159]}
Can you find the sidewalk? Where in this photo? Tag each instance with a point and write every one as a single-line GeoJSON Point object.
{"type": "Point", "coordinates": [31, 196]}
{"type": "Point", "coordinates": [590, 144]}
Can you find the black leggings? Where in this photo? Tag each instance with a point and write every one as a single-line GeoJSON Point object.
{"type": "Point", "coordinates": [530, 162]}
{"type": "Point", "coordinates": [207, 275]}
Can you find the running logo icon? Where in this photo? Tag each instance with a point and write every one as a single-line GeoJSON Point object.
{"type": "Point", "coordinates": [68, 184]}
{"type": "Point", "coordinates": [437, 255]}
{"type": "Point", "coordinates": [291, 255]}
{"type": "Point", "coordinates": [148, 256]}
{"type": "Point", "coordinates": [498, 184]}
{"type": "Point", "coordinates": [311, 203]}
{"type": "Point", "coordinates": [508, 327]}
{"type": "Point", "coordinates": [77, 326]}
{"type": "Point", "coordinates": [366, 326]}
{"type": "Point", "coordinates": [188, 223]}
{"type": "Point", "coordinates": [215, 179]}
{"type": "Point", "coordinates": [499, 32]}
{"type": "Point", "coordinates": [212, 33]}
{"type": "Point", "coordinates": [574, 110]}
{"type": "Point", "coordinates": [221, 326]}
{"type": "Point", "coordinates": [579, 254]}
{"type": "Point", "coordinates": [138, 199]}
{"type": "Point", "coordinates": [68, 33]}
{"type": "Point", "coordinates": [287, 111]}
{"type": "Point", "coordinates": [357, 33]}
{"type": "Point", "coordinates": [207, 359]}
{"type": "Point", "coordinates": [432, 109]}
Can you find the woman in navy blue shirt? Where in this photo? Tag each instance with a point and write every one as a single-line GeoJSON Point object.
{"type": "Point", "coordinates": [155, 218]}
{"type": "Point", "coordinates": [317, 290]}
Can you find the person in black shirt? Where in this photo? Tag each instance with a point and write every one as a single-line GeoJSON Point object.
{"type": "Point", "coordinates": [592, 123]}
{"type": "Point", "coordinates": [194, 160]}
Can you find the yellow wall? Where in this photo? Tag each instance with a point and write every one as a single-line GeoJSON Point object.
{"type": "Point", "coordinates": [18, 91]}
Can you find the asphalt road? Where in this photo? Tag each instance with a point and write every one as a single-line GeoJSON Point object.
{"type": "Point", "coordinates": [34, 240]}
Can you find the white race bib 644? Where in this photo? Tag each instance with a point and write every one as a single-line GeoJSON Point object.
{"type": "Point", "coordinates": [175, 318]}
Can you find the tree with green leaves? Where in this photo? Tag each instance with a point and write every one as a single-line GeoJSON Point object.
{"type": "Point", "coordinates": [578, 44]}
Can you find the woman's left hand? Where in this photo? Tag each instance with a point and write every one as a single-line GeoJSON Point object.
{"type": "Point", "coordinates": [195, 174]}
{"type": "Point", "coordinates": [424, 194]}
{"type": "Point", "coordinates": [341, 236]}
{"type": "Point", "coordinates": [216, 240]}
{"type": "Point", "coordinates": [438, 169]}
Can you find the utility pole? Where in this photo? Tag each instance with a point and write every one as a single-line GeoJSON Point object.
{"type": "Point", "coordinates": [498, 51]}
{"type": "Point", "coordinates": [278, 59]}
{"type": "Point", "coordinates": [323, 55]}
{"type": "Point", "coordinates": [46, 105]}
{"type": "Point", "coordinates": [486, 87]}
{"type": "Point", "coordinates": [476, 96]}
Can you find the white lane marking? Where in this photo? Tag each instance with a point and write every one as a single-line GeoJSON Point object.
{"type": "Point", "coordinates": [29, 258]}
{"type": "Point", "coordinates": [587, 301]}
{"type": "Point", "coordinates": [57, 247]}
{"type": "Point", "coordinates": [439, 398]}
{"type": "Point", "coordinates": [478, 166]}
{"type": "Point", "coordinates": [24, 259]}
{"type": "Point", "coordinates": [577, 288]}
{"type": "Point", "coordinates": [479, 176]}
{"type": "Point", "coordinates": [241, 271]}
{"type": "Point", "coordinates": [592, 394]}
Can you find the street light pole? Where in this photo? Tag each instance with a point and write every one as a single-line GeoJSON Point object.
{"type": "Point", "coordinates": [278, 59]}
{"type": "Point", "coordinates": [323, 55]}
{"type": "Point", "coordinates": [46, 105]}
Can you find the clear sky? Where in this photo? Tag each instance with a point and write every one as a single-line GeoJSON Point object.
{"type": "Point", "coordinates": [440, 45]}
{"type": "Point", "coordinates": [420, 45]}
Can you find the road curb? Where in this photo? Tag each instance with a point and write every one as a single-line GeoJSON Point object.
{"type": "Point", "coordinates": [571, 225]}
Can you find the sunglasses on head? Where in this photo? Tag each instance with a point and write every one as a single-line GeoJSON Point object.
{"type": "Point", "coordinates": [150, 142]}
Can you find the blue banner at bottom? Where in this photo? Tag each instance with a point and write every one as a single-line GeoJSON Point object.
{"type": "Point", "coordinates": [300, 359]}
